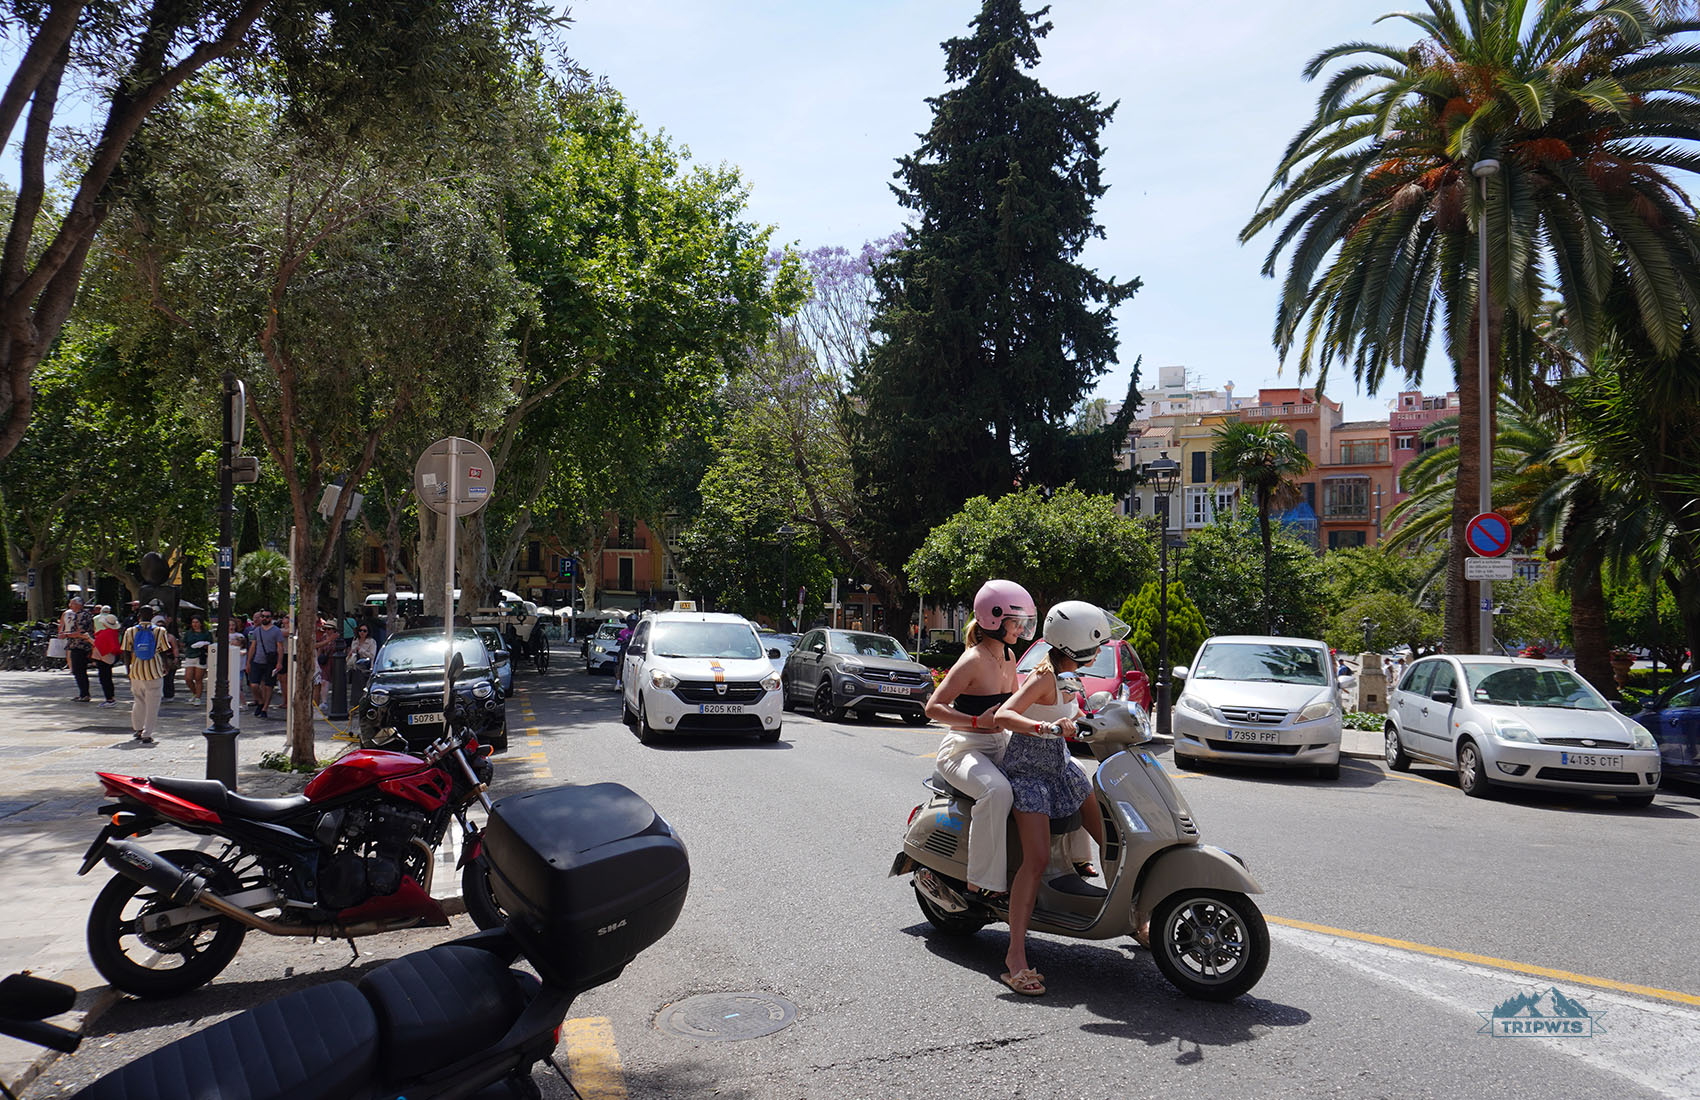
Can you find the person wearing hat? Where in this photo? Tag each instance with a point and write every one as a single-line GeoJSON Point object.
{"type": "Point", "coordinates": [147, 645]}
{"type": "Point", "coordinates": [107, 639]}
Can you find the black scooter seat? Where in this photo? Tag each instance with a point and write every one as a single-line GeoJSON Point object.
{"type": "Point", "coordinates": [314, 1044]}
{"type": "Point", "coordinates": [438, 1006]}
{"type": "Point", "coordinates": [220, 799]}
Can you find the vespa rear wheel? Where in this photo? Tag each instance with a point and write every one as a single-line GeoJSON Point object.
{"type": "Point", "coordinates": [174, 960]}
{"type": "Point", "coordinates": [951, 924]}
{"type": "Point", "coordinates": [1210, 944]}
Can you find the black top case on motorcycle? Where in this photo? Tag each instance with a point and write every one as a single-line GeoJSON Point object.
{"type": "Point", "coordinates": [588, 876]}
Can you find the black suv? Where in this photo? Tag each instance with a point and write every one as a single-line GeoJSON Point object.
{"type": "Point", "coordinates": [404, 695]}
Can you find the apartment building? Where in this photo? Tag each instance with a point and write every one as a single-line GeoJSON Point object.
{"type": "Point", "coordinates": [1412, 412]}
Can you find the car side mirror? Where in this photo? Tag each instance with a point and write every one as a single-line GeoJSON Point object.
{"type": "Point", "coordinates": [773, 654]}
{"type": "Point", "coordinates": [1178, 672]}
{"type": "Point", "coordinates": [1445, 695]}
{"type": "Point", "coordinates": [500, 658]}
{"type": "Point", "coordinates": [818, 647]}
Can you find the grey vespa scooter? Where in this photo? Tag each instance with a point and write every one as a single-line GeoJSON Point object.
{"type": "Point", "coordinates": [1207, 936]}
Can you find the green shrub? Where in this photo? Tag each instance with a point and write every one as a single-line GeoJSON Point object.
{"type": "Point", "coordinates": [1186, 626]}
{"type": "Point", "coordinates": [1363, 720]}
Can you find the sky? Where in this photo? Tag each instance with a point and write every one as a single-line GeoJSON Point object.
{"type": "Point", "coordinates": [814, 100]}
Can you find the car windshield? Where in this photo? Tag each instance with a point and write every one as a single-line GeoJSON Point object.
{"type": "Point", "coordinates": [1262, 662]}
{"type": "Point", "coordinates": [784, 643]}
{"type": "Point", "coordinates": [491, 638]}
{"type": "Point", "coordinates": [1498, 685]}
{"type": "Point", "coordinates": [421, 653]}
{"type": "Point", "coordinates": [854, 643]}
{"type": "Point", "coordinates": [729, 641]}
{"type": "Point", "coordinates": [609, 630]}
{"type": "Point", "coordinates": [1103, 666]}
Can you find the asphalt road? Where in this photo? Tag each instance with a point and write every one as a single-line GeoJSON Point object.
{"type": "Point", "coordinates": [1399, 910]}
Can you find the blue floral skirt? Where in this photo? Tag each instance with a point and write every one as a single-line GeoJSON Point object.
{"type": "Point", "coordinates": [1043, 778]}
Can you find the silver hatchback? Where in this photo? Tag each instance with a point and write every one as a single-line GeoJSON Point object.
{"type": "Point", "coordinates": [1504, 721]}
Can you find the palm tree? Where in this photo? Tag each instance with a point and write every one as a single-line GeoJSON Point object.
{"type": "Point", "coordinates": [1588, 108]}
{"type": "Point", "coordinates": [1265, 460]}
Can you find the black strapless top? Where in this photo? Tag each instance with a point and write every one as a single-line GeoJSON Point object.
{"type": "Point", "coordinates": [980, 704]}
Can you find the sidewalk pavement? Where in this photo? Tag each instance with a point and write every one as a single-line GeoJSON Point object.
{"type": "Point", "coordinates": [51, 747]}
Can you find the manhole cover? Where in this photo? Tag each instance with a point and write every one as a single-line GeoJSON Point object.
{"type": "Point", "coordinates": [723, 1017]}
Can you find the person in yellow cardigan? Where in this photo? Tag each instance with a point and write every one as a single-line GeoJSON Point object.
{"type": "Point", "coordinates": [147, 645]}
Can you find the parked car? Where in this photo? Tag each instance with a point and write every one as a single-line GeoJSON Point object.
{"type": "Point", "coordinates": [1505, 721]}
{"type": "Point", "coordinates": [497, 644]}
{"type": "Point", "coordinates": [1116, 669]}
{"type": "Point", "coordinates": [841, 672]}
{"type": "Point", "coordinates": [1267, 701]}
{"type": "Point", "coordinates": [1673, 718]}
{"type": "Point", "coordinates": [784, 643]}
{"type": "Point", "coordinates": [602, 649]}
{"type": "Point", "coordinates": [697, 672]}
{"type": "Point", "coordinates": [404, 696]}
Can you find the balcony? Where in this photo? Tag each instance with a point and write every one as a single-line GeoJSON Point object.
{"type": "Point", "coordinates": [1346, 512]}
{"type": "Point", "coordinates": [1262, 411]}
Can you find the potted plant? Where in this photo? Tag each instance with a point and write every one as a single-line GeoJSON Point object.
{"type": "Point", "coordinates": [1621, 662]}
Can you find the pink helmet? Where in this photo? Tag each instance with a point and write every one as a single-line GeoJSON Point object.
{"type": "Point", "coordinates": [998, 600]}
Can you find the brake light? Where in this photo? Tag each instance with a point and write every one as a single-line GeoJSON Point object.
{"type": "Point", "coordinates": [912, 814]}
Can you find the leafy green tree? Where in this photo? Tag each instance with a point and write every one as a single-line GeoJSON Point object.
{"type": "Point", "coordinates": [1266, 462]}
{"type": "Point", "coordinates": [1589, 110]}
{"type": "Point", "coordinates": [1633, 623]}
{"type": "Point", "coordinates": [1225, 570]}
{"type": "Point", "coordinates": [1395, 619]}
{"type": "Point", "coordinates": [1143, 614]}
{"type": "Point", "coordinates": [261, 581]}
{"type": "Point", "coordinates": [1062, 545]}
{"type": "Point", "coordinates": [1530, 613]}
{"type": "Point", "coordinates": [388, 67]}
{"type": "Point", "coordinates": [1358, 570]}
{"type": "Point", "coordinates": [988, 331]}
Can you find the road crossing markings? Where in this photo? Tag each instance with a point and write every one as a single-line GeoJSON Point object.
{"type": "Point", "coordinates": [592, 1061]}
{"type": "Point", "coordinates": [1669, 995]}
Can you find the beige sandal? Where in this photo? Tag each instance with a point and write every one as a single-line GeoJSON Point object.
{"type": "Point", "coordinates": [1025, 982]}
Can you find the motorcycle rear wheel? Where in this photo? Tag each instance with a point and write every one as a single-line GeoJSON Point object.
{"type": "Point", "coordinates": [1210, 944]}
{"type": "Point", "coordinates": [951, 924]}
{"type": "Point", "coordinates": [169, 963]}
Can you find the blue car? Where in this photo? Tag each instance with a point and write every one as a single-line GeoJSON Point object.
{"type": "Point", "coordinates": [1673, 718]}
{"type": "Point", "coordinates": [495, 643]}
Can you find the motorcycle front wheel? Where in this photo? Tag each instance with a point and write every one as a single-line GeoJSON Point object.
{"type": "Point", "coordinates": [1210, 944]}
{"type": "Point", "coordinates": [169, 962]}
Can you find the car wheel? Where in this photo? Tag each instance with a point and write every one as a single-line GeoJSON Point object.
{"type": "Point", "coordinates": [1330, 772]}
{"type": "Point", "coordinates": [499, 740]}
{"type": "Point", "coordinates": [916, 718]}
{"type": "Point", "coordinates": [1183, 760]}
{"type": "Point", "coordinates": [1635, 799]}
{"type": "Point", "coordinates": [1397, 759]}
{"type": "Point", "coordinates": [785, 702]}
{"type": "Point", "coordinates": [647, 733]}
{"type": "Point", "coordinates": [1472, 778]}
{"type": "Point", "coordinates": [824, 708]}
{"type": "Point", "coordinates": [770, 736]}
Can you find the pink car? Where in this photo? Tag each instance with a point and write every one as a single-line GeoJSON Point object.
{"type": "Point", "coordinates": [1116, 665]}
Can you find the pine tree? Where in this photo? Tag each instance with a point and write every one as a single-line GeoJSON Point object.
{"type": "Point", "coordinates": [988, 333]}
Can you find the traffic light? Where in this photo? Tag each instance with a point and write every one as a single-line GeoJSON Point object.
{"type": "Point", "coordinates": [244, 469]}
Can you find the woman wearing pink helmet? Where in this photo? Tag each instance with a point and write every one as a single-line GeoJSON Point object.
{"type": "Point", "coordinates": [966, 702]}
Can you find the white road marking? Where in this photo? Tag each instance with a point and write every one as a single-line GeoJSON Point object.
{"type": "Point", "coordinates": [1645, 1042]}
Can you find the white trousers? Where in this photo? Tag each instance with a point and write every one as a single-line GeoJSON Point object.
{"type": "Point", "coordinates": [144, 711]}
{"type": "Point", "coordinates": [974, 774]}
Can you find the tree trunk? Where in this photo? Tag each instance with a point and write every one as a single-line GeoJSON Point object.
{"type": "Point", "coordinates": [1463, 614]}
{"type": "Point", "coordinates": [1268, 553]}
{"type": "Point", "coordinates": [430, 560]}
{"type": "Point", "coordinates": [1588, 626]}
{"type": "Point", "coordinates": [303, 752]}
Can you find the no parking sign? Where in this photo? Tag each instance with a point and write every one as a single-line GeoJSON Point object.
{"type": "Point", "coordinates": [1488, 535]}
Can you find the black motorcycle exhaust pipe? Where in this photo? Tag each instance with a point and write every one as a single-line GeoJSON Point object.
{"type": "Point", "coordinates": [154, 871]}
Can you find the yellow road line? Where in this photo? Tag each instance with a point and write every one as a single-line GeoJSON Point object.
{"type": "Point", "coordinates": [543, 773]}
{"type": "Point", "coordinates": [928, 756]}
{"type": "Point", "coordinates": [537, 756]}
{"type": "Point", "coordinates": [592, 1060]}
{"type": "Point", "coordinates": [1498, 964]}
{"type": "Point", "coordinates": [1400, 775]}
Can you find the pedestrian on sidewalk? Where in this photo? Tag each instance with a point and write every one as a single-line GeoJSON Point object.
{"type": "Point", "coordinates": [146, 643]}
{"type": "Point", "coordinates": [197, 644]}
{"type": "Point", "coordinates": [173, 658]}
{"type": "Point", "coordinates": [108, 641]}
{"type": "Point", "coordinates": [265, 649]}
{"type": "Point", "coordinates": [76, 626]}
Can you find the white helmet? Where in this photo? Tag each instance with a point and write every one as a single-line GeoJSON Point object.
{"type": "Point", "coordinates": [1075, 629]}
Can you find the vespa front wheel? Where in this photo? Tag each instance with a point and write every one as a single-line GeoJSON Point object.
{"type": "Point", "coordinates": [1210, 944]}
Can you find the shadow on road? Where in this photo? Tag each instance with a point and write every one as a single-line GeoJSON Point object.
{"type": "Point", "coordinates": [1669, 804]}
{"type": "Point", "coordinates": [1351, 775]}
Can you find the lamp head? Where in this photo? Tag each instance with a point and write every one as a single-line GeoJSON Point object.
{"type": "Point", "coordinates": [1485, 168]}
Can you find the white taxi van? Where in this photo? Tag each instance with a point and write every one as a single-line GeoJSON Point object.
{"type": "Point", "coordinates": [695, 672]}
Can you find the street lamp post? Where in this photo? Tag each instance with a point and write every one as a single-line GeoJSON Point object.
{"type": "Point", "coordinates": [1482, 170]}
{"type": "Point", "coordinates": [1164, 474]}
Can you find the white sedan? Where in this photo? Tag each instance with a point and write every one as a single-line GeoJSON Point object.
{"type": "Point", "coordinates": [1259, 700]}
{"type": "Point", "coordinates": [1503, 721]}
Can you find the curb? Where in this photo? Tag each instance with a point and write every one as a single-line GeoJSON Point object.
{"type": "Point", "coordinates": [101, 998]}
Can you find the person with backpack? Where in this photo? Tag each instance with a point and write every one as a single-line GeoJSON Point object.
{"type": "Point", "coordinates": [146, 643]}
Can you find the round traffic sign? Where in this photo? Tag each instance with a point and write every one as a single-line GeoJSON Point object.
{"type": "Point", "coordinates": [474, 479]}
{"type": "Point", "coordinates": [1489, 535]}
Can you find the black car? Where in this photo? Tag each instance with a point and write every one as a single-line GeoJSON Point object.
{"type": "Point", "coordinates": [404, 696]}
{"type": "Point", "coordinates": [841, 672]}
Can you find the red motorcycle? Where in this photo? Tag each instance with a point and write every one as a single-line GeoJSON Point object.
{"type": "Point", "coordinates": [350, 856]}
